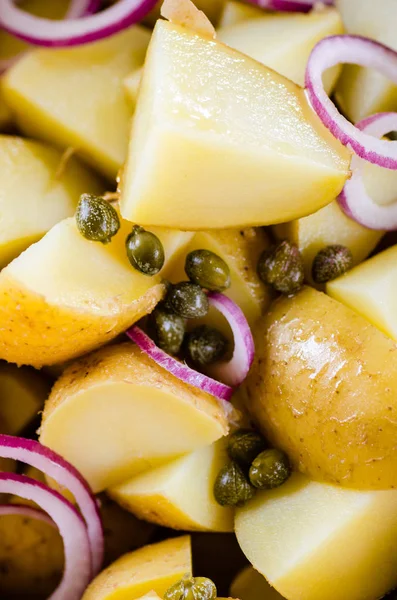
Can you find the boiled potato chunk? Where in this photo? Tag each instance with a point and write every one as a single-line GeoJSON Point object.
{"type": "Point", "coordinates": [283, 42]}
{"type": "Point", "coordinates": [362, 92]}
{"type": "Point", "coordinates": [180, 494]}
{"type": "Point", "coordinates": [66, 295]}
{"type": "Point", "coordinates": [116, 413]}
{"type": "Point", "coordinates": [237, 12]}
{"type": "Point", "coordinates": [313, 540]}
{"type": "Point", "coordinates": [251, 585]}
{"type": "Point", "coordinates": [212, 8]}
{"type": "Point", "coordinates": [151, 568]}
{"type": "Point", "coordinates": [22, 395]}
{"type": "Point", "coordinates": [329, 225]}
{"type": "Point", "coordinates": [95, 119]}
{"type": "Point", "coordinates": [323, 388]}
{"type": "Point", "coordinates": [36, 192]}
{"type": "Point", "coordinates": [131, 85]}
{"type": "Point", "coordinates": [220, 132]}
{"type": "Point", "coordinates": [371, 290]}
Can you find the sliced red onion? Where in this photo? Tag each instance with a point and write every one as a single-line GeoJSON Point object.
{"type": "Point", "coordinates": [178, 369]}
{"type": "Point", "coordinates": [360, 51]}
{"type": "Point", "coordinates": [236, 369]}
{"type": "Point", "coordinates": [81, 8]}
{"type": "Point", "coordinates": [45, 32]}
{"type": "Point", "coordinates": [25, 511]}
{"type": "Point", "coordinates": [77, 571]}
{"type": "Point", "coordinates": [290, 5]}
{"type": "Point", "coordinates": [51, 464]}
{"type": "Point", "coordinates": [354, 199]}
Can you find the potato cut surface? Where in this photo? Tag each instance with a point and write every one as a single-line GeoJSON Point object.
{"type": "Point", "coordinates": [150, 569]}
{"type": "Point", "coordinates": [116, 413]}
{"type": "Point", "coordinates": [237, 12]}
{"type": "Point", "coordinates": [251, 585]}
{"type": "Point", "coordinates": [220, 131]}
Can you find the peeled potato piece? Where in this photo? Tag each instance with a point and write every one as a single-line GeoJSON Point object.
{"type": "Point", "coordinates": [237, 12]}
{"type": "Point", "coordinates": [116, 413]}
{"type": "Point", "coordinates": [180, 494]}
{"type": "Point", "coordinates": [251, 585]}
{"type": "Point", "coordinates": [313, 540]}
{"type": "Point", "coordinates": [151, 568]}
{"type": "Point", "coordinates": [323, 388]}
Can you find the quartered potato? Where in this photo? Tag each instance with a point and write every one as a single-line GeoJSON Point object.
{"type": "Point", "coordinates": [244, 135]}
{"type": "Point", "coordinates": [323, 387]}
{"type": "Point", "coordinates": [116, 413]}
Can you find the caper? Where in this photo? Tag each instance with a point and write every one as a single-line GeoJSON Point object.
{"type": "Point", "coordinates": [96, 219]}
{"type": "Point", "coordinates": [208, 270]}
{"type": "Point", "coordinates": [331, 262]}
{"type": "Point", "coordinates": [192, 588]}
{"type": "Point", "coordinates": [282, 268]}
{"type": "Point", "coordinates": [244, 445]}
{"type": "Point", "coordinates": [145, 251]}
{"type": "Point", "coordinates": [270, 469]}
{"type": "Point", "coordinates": [231, 487]}
{"type": "Point", "coordinates": [205, 345]}
{"type": "Point", "coordinates": [169, 330]}
{"type": "Point", "coordinates": [187, 300]}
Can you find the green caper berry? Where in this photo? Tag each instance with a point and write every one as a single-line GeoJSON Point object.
{"type": "Point", "coordinates": [244, 445]}
{"type": "Point", "coordinates": [192, 588]}
{"type": "Point", "coordinates": [270, 469]}
{"type": "Point", "coordinates": [187, 300]}
{"type": "Point", "coordinates": [331, 262]}
{"type": "Point", "coordinates": [282, 268]}
{"type": "Point", "coordinates": [231, 487]}
{"type": "Point", "coordinates": [205, 345]}
{"type": "Point", "coordinates": [145, 251]}
{"type": "Point", "coordinates": [208, 270]}
{"type": "Point", "coordinates": [169, 330]}
{"type": "Point", "coordinates": [96, 219]}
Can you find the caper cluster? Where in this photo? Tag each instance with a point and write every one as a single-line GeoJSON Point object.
{"type": "Point", "coordinates": [252, 466]}
{"type": "Point", "coordinates": [192, 588]}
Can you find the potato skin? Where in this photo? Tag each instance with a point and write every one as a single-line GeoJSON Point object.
{"type": "Point", "coordinates": [323, 388]}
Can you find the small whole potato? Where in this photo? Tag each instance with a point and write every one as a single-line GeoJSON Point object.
{"type": "Point", "coordinates": [323, 388]}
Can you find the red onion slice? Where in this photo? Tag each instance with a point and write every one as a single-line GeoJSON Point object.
{"type": "Point", "coordinates": [25, 511]}
{"type": "Point", "coordinates": [290, 5]}
{"type": "Point", "coordinates": [354, 199]}
{"type": "Point", "coordinates": [236, 370]}
{"type": "Point", "coordinates": [360, 51]}
{"type": "Point", "coordinates": [81, 8]}
{"type": "Point", "coordinates": [178, 369]}
{"type": "Point", "coordinates": [54, 466]}
{"type": "Point", "coordinates": [77, 572]}
{"type": "Point", "coordinates": [45, 32]}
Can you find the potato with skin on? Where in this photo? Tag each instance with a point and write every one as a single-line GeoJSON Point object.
{"type": "Point", "coordinates": [251, 585]}
{"type": "Point", "coordinates": [151, 568]}
{"type": "Point", "coordinates": [116, 413]}
{"type": "Point", "coordinates": [96, 120]}
{"type": "Point", "coordinates": [180, 494]}
{"type": "Point", "coordinates": [312, 540]}
{"type": "Point", "coordinates": [224, 129]}
{"type": "Point", "coordinates": [37, 191]}
{"type": "Point", "coordinates": [66, 295]}
{"type": "Point", "coordinates": [323, 388]}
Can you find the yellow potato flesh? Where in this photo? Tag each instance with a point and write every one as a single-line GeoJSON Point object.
{"type": "Point", "coordinates": [22, 395]}
{"type": "Point", "coordinates": [313, 540]}
{"type": "Point", "coordinates": [212, 8]}
{"type": "Point", "coordinates": [225, 130]}
{"type": "Point", "coordinates": [35, 192]}
{"type": "Point", "coordinates": [180, 494]}
{"type": "Point", "coordinates": [283, 42]}
{"type": "Point", "coordinates": [362, 92]}
{"type": "Point", "coordinates": [237, 12]}
{"type": "Point", "coordinates": [131, 85]}
{"type": "Point", "coordinates": [151, 568]}
{"type": "Point", "coordinates": [251, 585]}
{"type": "Point", "coordinates": [371, 290]}
{"type": "Point", "coordinates": [95, 119]}
{"type": "Point", "coordinates": [116, 413]}
{"type": "Point", "coordinates": [323, 388]}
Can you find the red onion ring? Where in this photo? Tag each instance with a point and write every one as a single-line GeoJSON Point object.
{"type": "Point", "coordinates": [54, 466]}
{"type": "Point", "coordinates": [45, 32]}
{"type": "Point", "coordinates": [360, 51]}
{"type": "Point", "coordinates": [25, 511]}
{"type": "Point", "coordinates": [176, 368]}
{"type": "Point", "coordinates": [77, 572]}
{"type": "Point", "coordinates": [236, 369]}
{"type": "Point", "coordinates": [290, 5]}
{"type": "Point", "coordinates": [354, 199]}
